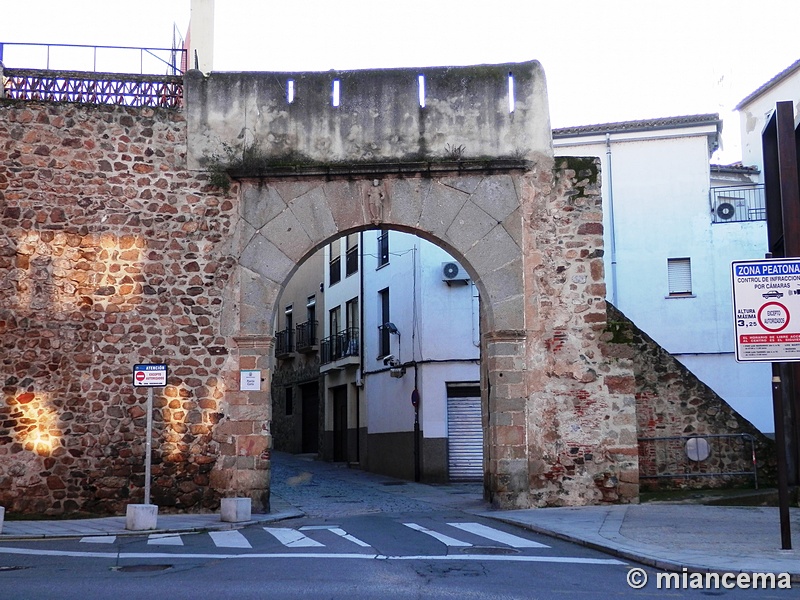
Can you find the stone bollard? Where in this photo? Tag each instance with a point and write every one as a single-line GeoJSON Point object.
{"type": "Point", "coordinates": [2, 516]}
{"type": "Point", "coordinates": [235, 510]}
{"type": "Point", "coordinates": [141, 517]}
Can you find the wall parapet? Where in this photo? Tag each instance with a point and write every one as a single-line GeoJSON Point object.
{"type": "Point", "coordinates": [370, 116]}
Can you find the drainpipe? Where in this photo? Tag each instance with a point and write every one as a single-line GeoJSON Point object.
{"type": "Point", "coordinates": [612, 238]}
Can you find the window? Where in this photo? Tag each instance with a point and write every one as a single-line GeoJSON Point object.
{"type": "Point", "coordinates": [334, 266]}
{"type": "Point", "coordinates": [351, 315]}
{"type": "Point", "coordinates": [311, 318]}
{"type": "Point", "coordinates": [383, 248]}
{"type": "Point", "coordinates": [351, 334]}
{"type": "Point", "coordinates": [334, 317]}
{"type": "Point", "coordinates": [288, 314]}
{"type": "Point", "coordinates": [289, 401]}
{"type": "Point", "coordinates": [351, 260]}
{"type": "Point", "coordinates": [679, 276]}
{"type": "Point", "coordinates": [384, 347]}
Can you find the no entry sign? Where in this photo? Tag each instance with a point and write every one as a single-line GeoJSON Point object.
{"type": "Point", "coordinates": [153, 375]}
{"type": "Point", "coordinates": [766, 310]}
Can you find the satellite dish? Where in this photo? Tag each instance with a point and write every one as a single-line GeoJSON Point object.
{"type": "Point", "coordinates": [726, 211]}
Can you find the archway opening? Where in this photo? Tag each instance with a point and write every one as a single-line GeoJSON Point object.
{"type": "Point", "coordinates": [377, 359]}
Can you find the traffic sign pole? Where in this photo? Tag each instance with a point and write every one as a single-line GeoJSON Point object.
{"type": "Point", "coordinates": [148, 458]}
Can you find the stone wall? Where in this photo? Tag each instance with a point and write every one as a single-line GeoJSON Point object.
{"type": "Point", "coordinates": [111, 254]}
{"type": "Point", "coordinates": [672, 402]}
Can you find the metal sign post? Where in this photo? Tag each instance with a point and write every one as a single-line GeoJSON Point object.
{"type": "Point", "coordinates": [149, 376]}
{"type": "Point", "coordinates": [766, 311]}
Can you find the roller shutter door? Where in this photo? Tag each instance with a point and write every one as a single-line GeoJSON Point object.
{"type": "Point", "coordinates": [464, 434]}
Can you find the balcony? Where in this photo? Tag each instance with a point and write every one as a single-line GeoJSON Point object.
{"type": "Point", "coordinates": [284, 343]}
{"type": "Point", "coordinates": [736, 204]}
{"type": "Point", "coordinates": [340, 350]}
{"type": "Point", "coordinates": [306, 337]}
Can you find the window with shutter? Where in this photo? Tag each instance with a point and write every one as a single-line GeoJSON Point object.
{"type": "Point", "coordinates": [679, 276]}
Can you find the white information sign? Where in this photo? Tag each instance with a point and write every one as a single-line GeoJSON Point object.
{"type": "Point", "coordinates": [250, 380]}
{"type": "Point", "coordinates": [153, 375]}
{"type": "Point", "coordinates": [766, 309]}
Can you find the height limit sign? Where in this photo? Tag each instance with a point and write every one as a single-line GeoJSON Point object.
{"type": "Point", "coordinates": [766, 310]}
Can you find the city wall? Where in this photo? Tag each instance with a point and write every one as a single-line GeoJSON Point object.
{"type": "Point", "coordinates": [135, 235]}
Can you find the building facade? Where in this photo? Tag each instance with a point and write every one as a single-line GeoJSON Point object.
{"type": "Point", "coordinates": [670, 239]}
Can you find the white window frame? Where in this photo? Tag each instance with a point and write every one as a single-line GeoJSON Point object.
{"type": "Point", "coordinates": [679, 278]}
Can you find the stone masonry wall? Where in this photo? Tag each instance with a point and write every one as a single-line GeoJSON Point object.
{"type": "Point", "coordinates": [111, 254]}
{"type": "Point", "coordinates": [581, 420]}
{"type": "Point", "coordinates": [671, 401]}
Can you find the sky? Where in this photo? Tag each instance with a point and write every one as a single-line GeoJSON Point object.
{"type": "Point", "coordinates": [604, 60]}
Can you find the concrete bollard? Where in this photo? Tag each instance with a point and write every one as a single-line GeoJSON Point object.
{"type": "Point", "coordinates": [235, 510]}
{"type": "Point", "coordinates": [2, 516]}
{"type": "Point", "coordinates": [141, 517]}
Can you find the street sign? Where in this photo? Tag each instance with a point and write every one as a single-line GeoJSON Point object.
{"type": "Point", "coordinates": [766, 309]}
{"type": "Point", "coordinates": [153, 375]}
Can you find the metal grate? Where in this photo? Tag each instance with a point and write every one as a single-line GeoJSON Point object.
{"type": "Point", "coordinates": [736, 204]}
{"type": "Point", "coordinates": [164, 91]}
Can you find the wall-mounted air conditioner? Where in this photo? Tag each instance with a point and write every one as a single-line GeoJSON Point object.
{"type": "Point", "coordinates": [452, 272]}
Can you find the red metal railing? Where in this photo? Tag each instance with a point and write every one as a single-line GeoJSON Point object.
{"type": "Point", "coordinates": [165, 91]}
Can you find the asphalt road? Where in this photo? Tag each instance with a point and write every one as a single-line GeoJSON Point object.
{"type": "Point", "coordinates": [363, 536]}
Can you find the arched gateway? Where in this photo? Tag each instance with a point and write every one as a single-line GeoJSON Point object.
{"type": "Point", "coordinates": [116, 251]}
{"type": "Point", "coordinates": [460, 156]}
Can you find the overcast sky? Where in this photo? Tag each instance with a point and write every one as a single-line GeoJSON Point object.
{"type": "Point", "coordinates": [605, 60]}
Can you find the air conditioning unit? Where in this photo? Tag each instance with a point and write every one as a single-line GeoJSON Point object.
{"type": "Point", "coordinates": [732, 209]}
{"type": "Point", "coordinates": [726, 211]}
{"type": "Point", "coordinates": [452, 272]}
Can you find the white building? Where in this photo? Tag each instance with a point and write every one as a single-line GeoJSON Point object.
{"type": "Point", "coordinates": [402, 317]}
{"type": "Point", "coordinates": [757, 107]}
{"type": "Point", "coordinates": [669, 243]}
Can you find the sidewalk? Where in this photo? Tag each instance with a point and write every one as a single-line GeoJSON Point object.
{"type": "Point", "coordinates": [663, 535]}
{"type": "Point", "coordinates": [673, 536]}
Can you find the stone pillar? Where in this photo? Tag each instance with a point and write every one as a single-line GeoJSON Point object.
{"type": "Point", "coordinates": [507, 479]}
{"type": "Point", "coordinates": [243, 468]}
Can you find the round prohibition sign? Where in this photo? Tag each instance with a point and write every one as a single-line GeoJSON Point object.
{"type": "Point", "coordinates": [140, 375]}
{"type": "Point", "coordinates": [773, 316]}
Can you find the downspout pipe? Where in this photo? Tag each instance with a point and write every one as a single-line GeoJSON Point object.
{"type": "Point", "coordinates": [612, 238]}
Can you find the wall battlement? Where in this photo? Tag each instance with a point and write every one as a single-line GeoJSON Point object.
{"type": "Point", "coordinates": [468, 112]}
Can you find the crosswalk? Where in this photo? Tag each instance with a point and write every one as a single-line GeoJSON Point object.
{"type": "Point", "coordinates": [450, 535]}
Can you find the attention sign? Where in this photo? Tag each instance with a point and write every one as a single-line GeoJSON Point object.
{"type": "Point", "coordinates": [153, 375]}
{"type": "Point", "coordinates": [766, 310]}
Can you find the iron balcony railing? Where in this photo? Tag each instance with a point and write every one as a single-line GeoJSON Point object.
{"type": "Point", "coordinates": [284, 343]}
{"type": "Point", "coordinates": [163, 91]}
{"type": "Point", "coordinates": [103, 59]}
{"type": "Point", "coordinates": [121, 76]}
{"type": "Point", "coordinates": [306, 336]}
{"type": "Point", "coordinates": [338, 346]}
{"type": "Point", "coordinates": [732, 204]}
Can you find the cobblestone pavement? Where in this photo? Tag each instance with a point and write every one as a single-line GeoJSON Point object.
{"type": "Point", "coordinates": [328, 490]}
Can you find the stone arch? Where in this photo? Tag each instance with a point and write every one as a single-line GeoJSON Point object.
{"type": "Point", "coordinates": [477, 219]}
{"type": "Point", "coordinates": [473, 171]}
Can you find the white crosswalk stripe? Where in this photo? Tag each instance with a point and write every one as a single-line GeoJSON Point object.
{"type": "Point", "coordinates": [338, 531]}
{"type": "Point", "coordinates": [99, 539]}
{"type": "Point", "coordinates": [292, 538]}
{"type": "Point", "coordinates": [497, 536]}
{"type": "Point", "coordinates": [445, 539]}
{"type": "Point", "coordinates": [229, 539]}
{"type": "Point", "coordinates": [164, 539]}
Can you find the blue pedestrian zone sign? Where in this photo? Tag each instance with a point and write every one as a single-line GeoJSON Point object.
{"type": "Point", "coordinates": [766, 309]}
{"type": "Point", "coordinates": [152, 375]}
